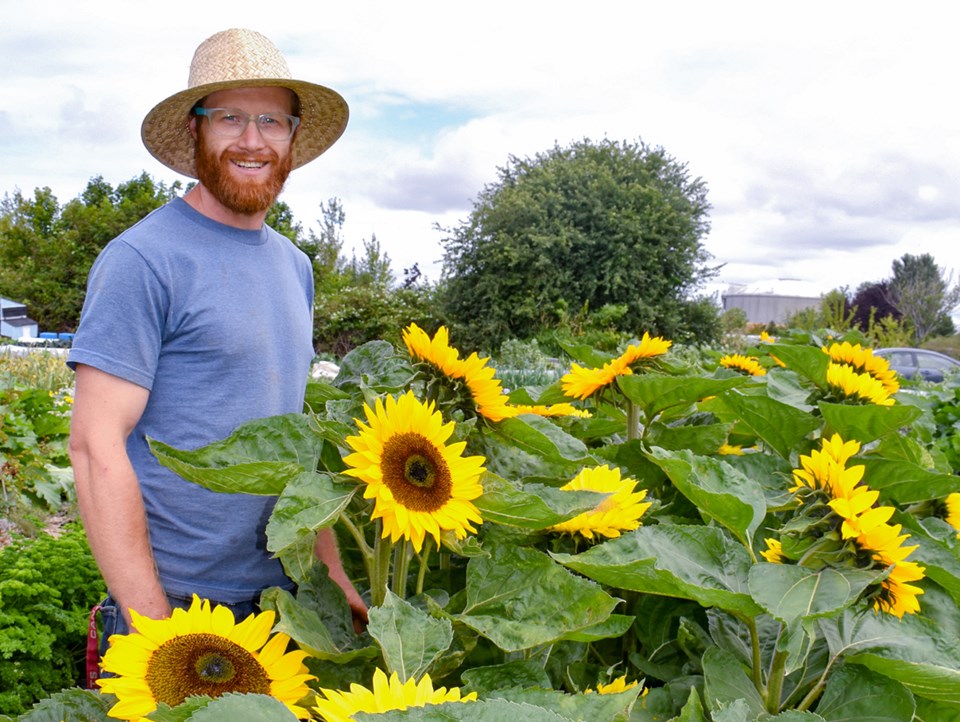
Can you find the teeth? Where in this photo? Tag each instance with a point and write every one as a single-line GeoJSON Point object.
{"type": "Point", "coordinates": [249, 164]}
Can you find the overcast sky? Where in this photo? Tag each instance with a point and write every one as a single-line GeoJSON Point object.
{"type": "Point", "coordinates": [826, 132]}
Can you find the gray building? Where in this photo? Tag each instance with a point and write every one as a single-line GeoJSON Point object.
{"type": "Point", "coordinates": [14, 322]}
{"type": "Point", "coordinates": [767, 301]}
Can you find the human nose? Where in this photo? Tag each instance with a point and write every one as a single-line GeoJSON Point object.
{"type": "Point", "coordinates": [251, 136]}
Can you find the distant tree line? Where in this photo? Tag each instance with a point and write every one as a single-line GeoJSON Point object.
{"type": "Point", "coordinates": [603, 239]}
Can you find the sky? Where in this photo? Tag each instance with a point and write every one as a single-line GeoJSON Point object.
{"type": "Point", "coordinates": [827, 133]}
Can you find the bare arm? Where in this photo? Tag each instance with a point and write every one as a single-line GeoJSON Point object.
{"type": "Point", "coordinates": [106, 409]}
{"type": "Point", "coordinates": [326, 551]}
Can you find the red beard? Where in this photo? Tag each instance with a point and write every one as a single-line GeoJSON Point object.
{"type": "Point", "coordinates": [248, 197]}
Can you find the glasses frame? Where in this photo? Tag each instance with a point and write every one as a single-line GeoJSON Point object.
{"type": "Point", "coordinates": [202, 112]}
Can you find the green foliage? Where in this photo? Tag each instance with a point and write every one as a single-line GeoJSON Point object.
{"type": "Point", "coordinates": [34, 467]}
{"type": "Point", "coordinates": [46, 249]}
{"type": "Point", "coordinates": [921, 291]}
{"type": "Point", "coordinates": [47, 588]}
{"type": "Point", "coordinates": [584, 226]}
{"type": "Point", "coordinates": [734, 320]}
{"type": "Point", "coordinates": [353, 315]}
{"type": "Point", "coordinates": [530, 617]}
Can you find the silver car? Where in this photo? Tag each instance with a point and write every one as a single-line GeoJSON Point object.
{"type": "Point", "coordinates": [911, 362]}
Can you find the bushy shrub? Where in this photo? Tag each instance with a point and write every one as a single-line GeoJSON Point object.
{"type": "Point", "coordinates": [47, 587]}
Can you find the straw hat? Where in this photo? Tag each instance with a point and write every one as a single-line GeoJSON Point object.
{"type": "Point", "coordinates": [241, 59]}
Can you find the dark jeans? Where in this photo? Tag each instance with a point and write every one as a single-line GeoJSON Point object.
{"type": "Point", "coordinates": [113, 621]}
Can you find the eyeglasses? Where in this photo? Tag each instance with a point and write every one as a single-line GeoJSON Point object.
{"type": "Point", "coordinates": [232, 123]}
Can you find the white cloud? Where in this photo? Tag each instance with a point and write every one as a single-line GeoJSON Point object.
{"type": "Point", "coordinates": [825, 131]}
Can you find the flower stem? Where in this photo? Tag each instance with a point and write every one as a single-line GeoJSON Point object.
{"type": "Point", "coordinates": [401, 565]}
{"type": "Point", "coordinates": [424, 565]}
{"type": "Point", "coordinates": [365, 550]}
{"type": "Point", "coordinates": [382, 551]}
{"type": "Point", "coordinates": [775, 681]}
{"type": "Point", "coordinates": [633, 421]}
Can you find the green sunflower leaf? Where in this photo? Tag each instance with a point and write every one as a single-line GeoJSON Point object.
{"type": "Point", "coordinates": [726, 682]}
{"type": "Point", "coordinates": [259, 457]}
{"type": "Point", "coordinates": [905, 482]}
{"type": "Point", "coordinates": [791, 593]}
{"type": "Point", "coordinates": [309, 501]}
{"type": "Point", "coordinates": [781, 426]}
{"type": "Point", "coordinates": [719, 491]}
{"type": "Point", "coordinates": [541, 437]}
{"type": "Point", "coordinates": [867, 423]}
{"type": "Point", "coordinates": [689, 562]}
{"type": "Point", "coordinates": [656, 393]}
{"type": "Point", "coordinates": [531, 506]}
{"type": "Point", "coordinates": [71, 705]}
{"type": "Point", "coordinates": [911, 650]}
{"type": "Point", "coordinates": [410, 638]}
{"type": "Point", "coordinates": [520, 598]}
{"type": "Point", "coordinates": [243, 708]}
{"type": "Point", "coordinates": [854, 692]}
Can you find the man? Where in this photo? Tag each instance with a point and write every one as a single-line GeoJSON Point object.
{"type": "Point", "coordinates": [198, 319]}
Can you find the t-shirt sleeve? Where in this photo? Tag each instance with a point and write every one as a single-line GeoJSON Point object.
{"type": "Point", "coordinates": [123, 318]}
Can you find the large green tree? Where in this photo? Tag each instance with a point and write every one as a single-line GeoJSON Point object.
{"type": "Point", "coordinates": [46, 249]}
{"type": "Point", "coordinates": [921, 291]}
{"type": "Point", "coordinates": [585, 226]}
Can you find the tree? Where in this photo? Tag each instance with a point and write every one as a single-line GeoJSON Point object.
{"type": "Point", "coordinates": [324, 249]}
{"type": "Point", "coordinates": [589, 225]}
{"type": "Point", "coordinates": [921, 291]}
{"type": "Point", "coordinates": [871, 303]}
{"type": "Point", "coordinates": [46, 249]}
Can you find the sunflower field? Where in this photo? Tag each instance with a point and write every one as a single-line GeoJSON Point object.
{"type": "Point", "coordinates": [771, 535]}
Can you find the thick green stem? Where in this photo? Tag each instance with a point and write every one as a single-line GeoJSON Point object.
{"type": "Point", "coordinates": [401, 565]}
{"type": "Point", "coordinates": [775, 681]}
{"type": "Point", "coordinates": [755, 644]}
{"type": "Point", "coordinates": [424, 565]}
{"type": "Point", "coordinates": [382, 551]}
{"type": "Point", "coordinates": [633, 421]}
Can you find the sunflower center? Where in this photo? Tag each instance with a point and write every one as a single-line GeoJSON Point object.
{"type": "Point", "coordinates": [415, 472]}
{"type": "Point", "coordinates": [203, 663]}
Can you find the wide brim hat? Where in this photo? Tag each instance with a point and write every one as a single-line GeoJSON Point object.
{"type": "Point", "coordinates": [240, 58]}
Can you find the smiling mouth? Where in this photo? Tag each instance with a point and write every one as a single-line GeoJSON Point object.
{"type": "Point", "coordinates": [251, 164]}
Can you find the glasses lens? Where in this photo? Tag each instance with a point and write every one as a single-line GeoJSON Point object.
{"type": "Point", "coordinates": [231, 123]}
{"type": "Point", "coordinates": [275, 126]}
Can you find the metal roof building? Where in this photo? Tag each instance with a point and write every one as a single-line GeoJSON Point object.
{"type": "Point", "coordinates": [767, 301]}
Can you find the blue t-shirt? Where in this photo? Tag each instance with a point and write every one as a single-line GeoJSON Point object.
{"type": "Point", "coordinates": [216, 322]}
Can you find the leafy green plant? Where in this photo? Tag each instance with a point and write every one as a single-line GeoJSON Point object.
{"type": "Point", "coordinates": [34, 467]}
{"type": "Point", "coordinates": [792, 559]}
{"type": "Point", "coordinates": [47, 588]}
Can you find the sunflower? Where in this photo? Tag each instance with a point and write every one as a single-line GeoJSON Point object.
{"type": "Point", "coordinates": [436, 351]}
{"type": "Point", "coordinates": [618, 685]}
{"type": "Point", "coordinates": [767, 338]}
{"type": "Point", "coordinates": [825, 469]}
{"type": "Point", "coordinates": [851, 384]}
{"type": "Point", "coordinates": [897, 596]}
{"type": "Point", "coordinates": [646, 349]}
{"type": "Point", "coordinates": [201, 651]}
{"type": "Point", "coordinates": [386, 695]}
{"type": "Point", "coordinates": [582, 382]}
{"type": "Point", "coordinates": [953, 511]}
{"type": "Point", "coordinates": [621, 511]}
{"type": "Point", "coordinates": [774, 551]}
{"type": "Point", "coordinates": [862, 361]}
{"type": "Point", "coordinates": [877, 544]}
{"type": "Point", "coordinates": [420, 484]}
{"type": "Point", "coordinates": [561, 409]}
{"type": "Point", "coordinates": [749, 365]}
{"type": "Point", "coordinates": [730, 450]}
{"type": "Point", "coordinates": [485, 389]}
